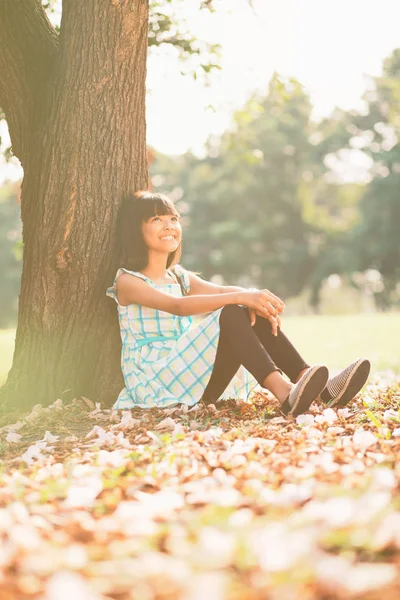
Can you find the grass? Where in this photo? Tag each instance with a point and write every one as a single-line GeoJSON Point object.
{"type": "Point", "coordinates": [7, 340]}
{"type": "Point", "coordinates": [336, 340]}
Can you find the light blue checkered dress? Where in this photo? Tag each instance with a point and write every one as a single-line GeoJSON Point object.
{"type": "Point", "coordinates": [166, 359]}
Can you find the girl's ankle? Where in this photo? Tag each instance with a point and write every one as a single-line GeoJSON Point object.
{"type": "Point", "coordinates": [300, 375]}
{"type": "Point", "coordinates": [278, 386]}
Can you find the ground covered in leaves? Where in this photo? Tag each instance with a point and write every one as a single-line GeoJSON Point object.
{"type": "Point", "coordinates": [233, 502]}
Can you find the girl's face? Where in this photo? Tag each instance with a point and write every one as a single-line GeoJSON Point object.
{"type": "Point", "coordinates": [162, 233]}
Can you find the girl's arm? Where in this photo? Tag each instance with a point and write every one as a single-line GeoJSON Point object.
{"type": "Point", "coordinates": [132, 290]}
{"type": "Point", "coordinates": [200, 286]}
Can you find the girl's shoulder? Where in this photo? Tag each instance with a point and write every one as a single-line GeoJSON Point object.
{"type": "Point", "coordinates": [183, 276]}
{"type": "Point", "coordinates": [176, 269]}
{"type": "Point", "coordinates": [111, 292]}
{"type": "Point", "coordinates": [122, 270]}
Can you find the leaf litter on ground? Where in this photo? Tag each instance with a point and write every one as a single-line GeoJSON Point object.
{"type": "Point", "coordinates": [232, 501]}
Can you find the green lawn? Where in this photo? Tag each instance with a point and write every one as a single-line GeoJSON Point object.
{"type": "Point", "coordinates": [7, 340]}
{"type": "Point", "coordinates": [338, 340]}
{"type": "Point", "coordinates": [335, 340]}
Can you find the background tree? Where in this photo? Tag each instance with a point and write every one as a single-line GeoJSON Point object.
{"type": "Point", "coordinates": [376, 238]}
{"type": "Point", "coordinates": [10, 254]}
{"type": "Point", "coordinates": [260, 188]}
{"type": "Point", "coordinates": [364, 234]}
{"type": "Point", "coordinates": [267, 186]}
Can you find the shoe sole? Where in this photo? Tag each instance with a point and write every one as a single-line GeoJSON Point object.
{"type": "Point", "coordinates": [311, 388]}
{"type": "Point", "coordinates": [355, 382]}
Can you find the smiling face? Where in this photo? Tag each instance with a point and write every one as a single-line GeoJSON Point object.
{"type": "Point", "coordinates": [148, 222]}
{"type": "Point", "coordinates": [162, 233]}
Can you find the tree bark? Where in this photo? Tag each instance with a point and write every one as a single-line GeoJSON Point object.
{"type": "Point", "coordinates": [28, 50]}
{"type": "Point", "coordinates": [89, 151]}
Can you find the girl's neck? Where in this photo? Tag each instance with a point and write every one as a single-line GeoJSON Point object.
{"type": "Point", "coordinates": [156, 268]}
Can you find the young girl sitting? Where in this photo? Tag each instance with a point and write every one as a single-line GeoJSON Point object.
{"type": "Point", "coordinates": [167, 360]}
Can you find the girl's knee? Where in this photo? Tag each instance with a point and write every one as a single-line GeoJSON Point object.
{"type": "Point", "coordinates": [233, 311]}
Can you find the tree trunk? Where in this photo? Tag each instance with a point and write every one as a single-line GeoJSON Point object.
{"type": "Point", "coordinates": [87, 149]}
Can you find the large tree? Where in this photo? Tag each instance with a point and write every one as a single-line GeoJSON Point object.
{"type": "Point", "coordinates": [75, 106]}
{"type": "Point", "coordinates": [74, 99]}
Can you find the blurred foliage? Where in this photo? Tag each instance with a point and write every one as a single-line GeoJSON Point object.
{"type": "Point", "coordinates": [375, 240]}
{"type": "Point", "coordinates": [259, 209]}
{"type": "Point", "coordinates": [167, 27]}
{"type": "Point", "coordinates": [372, 241]}
{"type": "Point", "coordinates": [263, 207]}
{"type": "Point", "coordinates": [10, 254]}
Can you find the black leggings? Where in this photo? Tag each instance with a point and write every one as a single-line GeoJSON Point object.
{"type": "Point", "coordinates": [256, 348]}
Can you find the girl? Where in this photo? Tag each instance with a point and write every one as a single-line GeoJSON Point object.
{"type": "Point", "coordinates": [166, 360]}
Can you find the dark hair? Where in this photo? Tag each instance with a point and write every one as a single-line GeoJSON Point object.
{"type": "Point", "coordinates": [133, 212]}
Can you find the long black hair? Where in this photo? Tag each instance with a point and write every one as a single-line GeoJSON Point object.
{"type": "Point", "coordinates": [135, 209]}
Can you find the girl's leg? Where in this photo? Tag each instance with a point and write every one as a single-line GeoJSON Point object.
{"type": "Point", "coordinates": [339, 390]}
{"type": "Point", "coordinates": [239, 345]}
{"type": "Point", "coordinates": [281, 350]}
{"type": "Point", "coordinates": [225, 366]}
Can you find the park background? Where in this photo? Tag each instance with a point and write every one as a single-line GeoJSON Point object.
{"type": "Point", "coordinates": [282, 154]}
{"type": "Point", "coordinates": [275, 127]}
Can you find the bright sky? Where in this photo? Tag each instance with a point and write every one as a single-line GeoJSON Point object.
{"type": "Point", "coordinates": [330, 46]}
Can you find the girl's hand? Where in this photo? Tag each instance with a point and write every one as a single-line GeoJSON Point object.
{"type": "Point", "coordinates": [275, 321]}
{"type": "Point", "coordinates": [262, 302]}
{"type": "Point", "coordinates": [265, 304]}
{"type": "Point", "coordinates": [253, 316]}
{"type": "Point", "coordinates": [277, 302]}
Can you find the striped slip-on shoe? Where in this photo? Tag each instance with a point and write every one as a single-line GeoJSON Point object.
{"type": "Point", "coordinates": [306, 390]}
{"type": "Point", "coordinates": [343, 387]}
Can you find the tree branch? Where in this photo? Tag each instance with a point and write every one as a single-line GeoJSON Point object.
{"type": "Point", "coordinates": [28, 48]}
